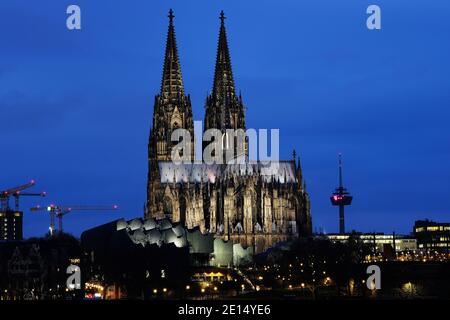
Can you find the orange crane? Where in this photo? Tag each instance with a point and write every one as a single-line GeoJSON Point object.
{"type": "Point", "coordinates": [59, 212]}
{"type": "Point", "coordinates": [16, 192]}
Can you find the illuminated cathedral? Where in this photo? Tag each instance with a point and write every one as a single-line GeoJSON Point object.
{"type": "Point", "coordinates": [248, 203]}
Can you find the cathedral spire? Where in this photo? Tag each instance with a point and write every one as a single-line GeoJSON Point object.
{"type": "Point", "coordinates": [223, 77]}
{"type": "Point", "coordinates": [224, 109]}
{"type": "Point", "coordinates": [172, 81]}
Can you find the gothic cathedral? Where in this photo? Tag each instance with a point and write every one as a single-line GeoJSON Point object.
{"type": "Point", "coordinates": [235, 202]}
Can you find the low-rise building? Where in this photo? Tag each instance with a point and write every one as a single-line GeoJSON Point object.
{"type": "Point", "coordinates": [432, 235]}
{"type": "Point", "coordinates": [36, 268]}
{"type": "Point", "coordinates": [379, 241]}
{"type": "Point", "coordinates": [153, 257]}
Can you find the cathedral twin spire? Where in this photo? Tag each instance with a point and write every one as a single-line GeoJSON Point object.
{"type": "Point", "coordinates": [172, 108]}
{"type": "Point", "coordinates": [224, 110]}
{"type": "Point", "coordinates": [213, 207]}
{"type": "Point", "coordinates": [172, 80]}
{"type": "Point", "coordinates": [223, 77]}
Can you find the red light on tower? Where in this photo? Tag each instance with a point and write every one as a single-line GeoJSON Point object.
{"type": "Point", "coordinates": [341, 198]}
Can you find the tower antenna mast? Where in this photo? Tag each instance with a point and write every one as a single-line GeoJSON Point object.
{"type": "Point", "coordinates": [341, 198]}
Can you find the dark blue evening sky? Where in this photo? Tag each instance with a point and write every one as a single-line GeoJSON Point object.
{"type": "Point", "coordinates": [76, 106]}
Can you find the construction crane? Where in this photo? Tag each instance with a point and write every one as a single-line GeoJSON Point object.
{"type": "Point", "coordinates": [16, 192]}
{"type": "Point", "coordinates": [19, 194]}
{"type": "Point", "coordinates": [59, 212]}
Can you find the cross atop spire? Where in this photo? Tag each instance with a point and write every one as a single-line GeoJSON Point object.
{"type": "Point", "coordinates": [222, 17]}
{"type": "Point", "coordinates": [172, 81]}
{"type": "Point", "coordinates": [223, 78]}
{"type": "Point", "coordinates": [224, 109]}
{"type": "Point", "coordinates": [171, 16]}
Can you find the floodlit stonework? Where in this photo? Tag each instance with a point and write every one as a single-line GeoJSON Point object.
{"type": "Point", "coordinates": [254, 204]}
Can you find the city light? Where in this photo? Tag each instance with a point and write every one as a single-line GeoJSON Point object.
{"type": "Point", "coordinates": [244, 227]}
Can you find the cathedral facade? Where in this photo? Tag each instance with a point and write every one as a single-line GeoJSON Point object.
{"type": "Point", "coordinates": [251, 203]}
